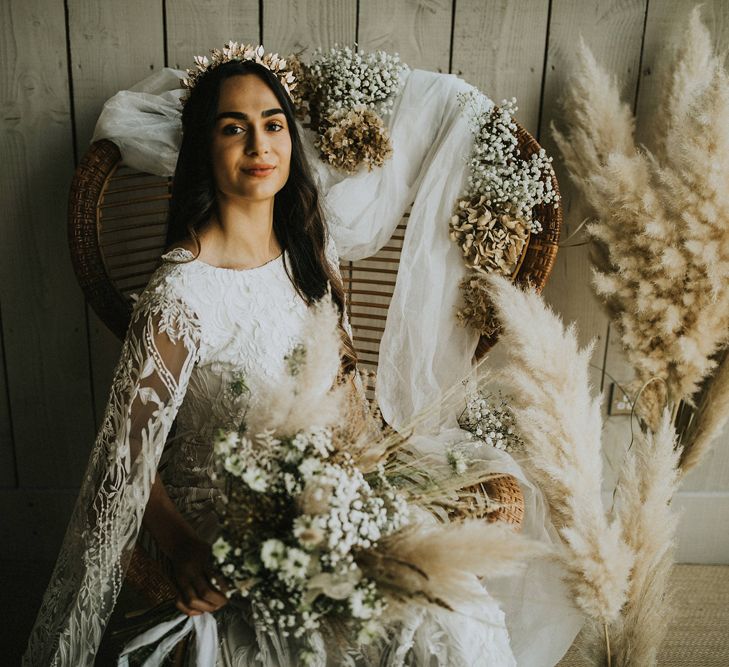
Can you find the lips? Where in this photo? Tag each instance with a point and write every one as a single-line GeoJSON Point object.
{"type": "Point", "coordinates": [260, 170]}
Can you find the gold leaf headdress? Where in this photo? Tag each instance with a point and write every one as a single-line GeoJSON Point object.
{"type": "Point", "coordinates": [235, 51]}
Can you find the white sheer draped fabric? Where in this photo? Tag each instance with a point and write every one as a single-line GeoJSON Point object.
{"type": "Point", "coordinates": [419, 356]}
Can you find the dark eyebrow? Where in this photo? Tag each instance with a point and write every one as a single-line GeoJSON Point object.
{"type": "Point", "coordinates": [239, 115]}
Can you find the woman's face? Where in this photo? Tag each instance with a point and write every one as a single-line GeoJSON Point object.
{"type": "Point", "coordinates": [251, 144]}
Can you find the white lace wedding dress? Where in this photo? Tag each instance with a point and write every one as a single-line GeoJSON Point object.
{"type": "Point", "coordinates": [195, 329]}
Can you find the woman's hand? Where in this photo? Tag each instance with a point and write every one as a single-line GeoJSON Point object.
{"type": "Point", "coordinates": [191, 561]}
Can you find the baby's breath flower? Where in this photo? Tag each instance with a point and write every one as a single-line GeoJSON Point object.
{"type": "Point", "coordinates": [225, 442]}
{"type": "Point", "coordinates": [220, 549]}
{"type": "Point", "coordinates": [255, 478]}
{"type": "Point", "coordinates": [457, 461]}
{"type": "Point", "coordinates": [294, 564]}
{"type": "Point", "coordinates": [510, 183]}
{"type": "Point", "coordinates": [491, 422]}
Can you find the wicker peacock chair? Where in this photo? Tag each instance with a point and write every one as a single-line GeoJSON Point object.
{"type": "Point", "coordinates": [117, 227]}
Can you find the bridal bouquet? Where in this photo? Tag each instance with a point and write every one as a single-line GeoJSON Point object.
{"type": "Point", "coordinates": [298, 510]}
{"type": "Point", "coordinates": [333, 525]}
{"type": "Point", "coordinates": [328, 519]}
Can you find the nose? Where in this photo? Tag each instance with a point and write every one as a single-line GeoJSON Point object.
{"type": "Point", "coordinates": [257, 143]}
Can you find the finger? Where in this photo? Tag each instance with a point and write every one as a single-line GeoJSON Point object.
{"type": "Point", "coordinates": [185, 609]}
{"type": "Point", "coordinates": [192, 599]}
{"type": "Point", "coordinates": [216, 589]}
{"type": "Point", "coordinates": [207, 595]}
{"type": "Point", "coordinates": [215, 598]}
{"type": "Point", "coordinates": [217, 584]}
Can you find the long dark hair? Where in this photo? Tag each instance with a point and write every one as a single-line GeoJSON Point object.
{"type": "Point", "coordinates": [298, 221]}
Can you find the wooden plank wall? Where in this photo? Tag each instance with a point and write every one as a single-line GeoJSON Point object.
{"type": "Point", "coordinates": [60, 59]}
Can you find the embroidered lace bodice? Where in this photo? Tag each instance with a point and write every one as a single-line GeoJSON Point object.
{"type": "Point", "coordinates": [246, 321]}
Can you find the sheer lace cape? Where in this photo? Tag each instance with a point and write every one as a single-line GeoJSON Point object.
{"type": "Point", "coordinates": [149, 383]}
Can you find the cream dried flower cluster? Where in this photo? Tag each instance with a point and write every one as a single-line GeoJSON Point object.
{"type": "Point", "coordinates": [477, 311]}
{"type": "Point", "coordinates": [234, 51]}
{"type": "Point", "coordinates": [493, 222]}
{"type": "Point", "coordinates": [488, 241]}
{"type": "Point", "coordinates": [346, 95]}
{"type": "Point", "coordinates": [353, 137]}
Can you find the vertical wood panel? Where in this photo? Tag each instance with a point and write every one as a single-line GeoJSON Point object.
{"type": "Point", "coordinates": [113, 46]}
{"type": "Point", "coordinates": [194, 27]}
{"type": "Point", "coordinates": [44, 324]}
{"type": "Point", "coordinates": [7, 455]}
{"type": "Point", "coordinates": [419, 30]}
{"type": "Point", "coordinates": [292, 25]}
{"type": "Point", "coordinates": [613, 31]}
{"type": "Point", "coordinates": [666, 21]}
{"type": "Point", "coordinates": [498, 46]}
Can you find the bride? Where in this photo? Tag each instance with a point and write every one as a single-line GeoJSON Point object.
{"type": "Point", "coordinates": [248, 254]}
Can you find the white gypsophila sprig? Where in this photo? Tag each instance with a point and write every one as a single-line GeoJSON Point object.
{"type": "Point", "coordinates": [342, 78]}
{"type": "Point", "coordinates": [509, 182]}
{"type": "Point", "coordinates": [490, 421]}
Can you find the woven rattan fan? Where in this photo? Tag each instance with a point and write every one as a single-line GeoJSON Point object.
{"type": "Point", "coordinates": [117, 227]}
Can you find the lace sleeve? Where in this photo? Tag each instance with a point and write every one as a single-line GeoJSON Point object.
{"type": "Point", "coordinates": [150, 381]}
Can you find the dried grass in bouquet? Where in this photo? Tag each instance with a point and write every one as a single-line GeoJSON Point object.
{"type": "Point", "coordinates": [661, 230]}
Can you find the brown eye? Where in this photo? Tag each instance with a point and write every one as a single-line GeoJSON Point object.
{"type": "Point", "coordinates": [232, 129]}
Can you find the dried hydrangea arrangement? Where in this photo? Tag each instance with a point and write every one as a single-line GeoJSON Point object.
{"type": "Point", "coordinates": [493, 221]}
{"type": "Point", "coordinates": [489, 241]}
{"type": "Point", "coordinates": [346, 95]}
{"type": "Point", "coordinates": [353, 137]}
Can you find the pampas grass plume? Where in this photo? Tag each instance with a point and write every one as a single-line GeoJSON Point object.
{"type": "Point", "coordinates": [561, 422]}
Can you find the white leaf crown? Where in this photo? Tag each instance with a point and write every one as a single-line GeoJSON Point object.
{"type": "Point", "coordinates": [235, 51]}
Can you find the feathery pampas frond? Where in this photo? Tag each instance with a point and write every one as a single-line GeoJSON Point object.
{"type": "Point", "coordinates": [648, 480]}
{"type": "Point", "coordinates": [307, 397]}
{"type": "Point", "coordinates": [441, 561]}
{"type": "Point", "coordinates": [661, 239]}
{"type": "Point", "coordinates": [561, 423]}
{"type": "Point", "coordinates": [710, 418]}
